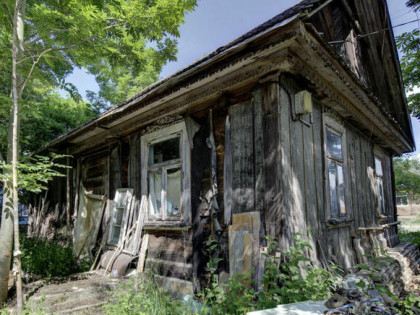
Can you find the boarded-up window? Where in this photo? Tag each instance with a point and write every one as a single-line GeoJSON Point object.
{"type": "Point", "coordinates": [165, 174]}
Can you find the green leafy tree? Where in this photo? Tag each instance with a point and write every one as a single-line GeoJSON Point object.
{"type": "Point", "coordinates": [407, 177]}
{"type": "Point", "coordinates": [409, 45]}
{"type": "Point", "coordinates": [42, 41]}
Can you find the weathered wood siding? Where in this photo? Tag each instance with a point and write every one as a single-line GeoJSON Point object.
{"type": "Point", "coordinates": [295, 185]}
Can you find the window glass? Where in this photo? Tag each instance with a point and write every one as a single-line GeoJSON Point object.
{"type": "Point", "coordinates": [333, 189]}
{"type": "Point", "coordinates": [155, 194]}
{"type": "Point", "coordinates": [164, 151]}
{"type": "Point", "coordinates": [378, 167]}
{"type": "Point", "coordinates": [173, 193]}
{"type": "Point", "coordinates": [334, 144]}
{"type": "Point", "coordinates": [121, 199]}
{"type": "Point", "coordinates": [115, 237]}
{"type": "Point", "coordinates": [380, 189]}
{"type": "Point", "coordinates": [340, 182]}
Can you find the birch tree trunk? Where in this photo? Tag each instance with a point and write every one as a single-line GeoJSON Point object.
{"type": "Point", "coordinates": [10, 218]}
{"type": "Point", "coordinates": [6, 228]}
{"type": "Point", "coordinates": [17, 53]}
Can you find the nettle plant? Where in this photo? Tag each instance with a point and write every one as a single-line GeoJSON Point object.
{"type": "Point", "coordinates": [287, 278]}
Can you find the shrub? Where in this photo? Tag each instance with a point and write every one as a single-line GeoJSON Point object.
{"type": "Point", "coordinates": [411, 237]}
{"type": "Point", "coordinates": [286, 279]}
{"type": "Point", "coordinates": [48, 258]}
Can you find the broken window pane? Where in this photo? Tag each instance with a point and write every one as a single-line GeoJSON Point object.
{"type": "Point", "coordinates": [334, 144]}
{"type": "Point", "coordinates": [155, 194]}
{"type": "Point", "coordinates": [173, 192]}
{"type": "Point", "coordinates": [164, 151]}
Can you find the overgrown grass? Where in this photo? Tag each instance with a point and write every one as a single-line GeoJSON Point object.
{"type": "Point", "coordinates": [48, 258]}
{"type": "Point", "coordinates": [143, 298]}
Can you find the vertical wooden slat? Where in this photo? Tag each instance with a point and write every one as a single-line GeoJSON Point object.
{"type": "Point", "coordinates": [271, 133]}
{"type": "Point", "coordinates": [298, 177]}
{"type": "Point", "coordinates": [359, 183]}
{"type": "Point", "coordinates": [310, 193]}
{"type": "Point", "coordinates": [319, 175]}
{"type": "Point", "coordinates": [68, 195]}
{"type": "Point", "coordinates": [242, 157]}
{"type": "Point", "coordinates": [259, 176]}
{"type": "Point", "coordinates": [285, 171]}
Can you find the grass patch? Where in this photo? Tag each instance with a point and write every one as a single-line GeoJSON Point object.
{"type": "Point", "coordinates": [143, 298]}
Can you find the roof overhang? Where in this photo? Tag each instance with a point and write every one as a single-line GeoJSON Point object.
{"type": "Point", "coordinates": [290, 46]}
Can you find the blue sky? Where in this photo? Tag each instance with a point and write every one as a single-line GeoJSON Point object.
{"type": "Point", "coordinates": [216, 22]}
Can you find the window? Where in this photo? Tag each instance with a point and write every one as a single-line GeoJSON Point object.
{"type": "Point", "coordinates": [165, 174]}
{"type": "Point", "coordinates": [380, 197]}
{"type": "Point", "coordinates": [122, 201]}
{"type": "Point", "coordinates": [335, 156]}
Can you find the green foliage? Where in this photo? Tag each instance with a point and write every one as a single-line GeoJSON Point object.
{"type": "Point", "coordinates": [124, 44]}
{"type": "Point", "coordinates": [287, 278]}
{"type": "Point", "coordinates": [48, 258]}
{"type": "Point", "coordinates": [296, 280]}
{"type": "Point", "coordinates": [410, 304]}
{"type": "Point", "coordinates": [410, 237]}
{"type": "Point", "coordinates": [407, 177]}
{"type": "Point", "coordinates": [144, 298]}
{"type": "Point", "coordinates": [35, 172]}
{"type": "Point", "coordinates": [409, 43]}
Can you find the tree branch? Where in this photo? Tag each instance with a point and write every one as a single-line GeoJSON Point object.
{"type": "Point", "coordinates": [30, 72]}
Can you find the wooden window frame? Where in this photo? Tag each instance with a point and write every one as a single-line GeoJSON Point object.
{"type": "Point", "coordinates": [184, 162]}
{"type": "Point", "coordinates": [334, 126]}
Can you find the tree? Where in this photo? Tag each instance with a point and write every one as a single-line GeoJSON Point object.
{"type": "Point", "coordinates": [409, 45]}
{"type": "Point", "coordinates": [48, 38]}
{"type": "Point", "coordinates": [407, 177]}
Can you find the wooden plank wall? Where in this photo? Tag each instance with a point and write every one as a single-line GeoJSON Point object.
{"type": "Point", "coordinates": [295, 200]}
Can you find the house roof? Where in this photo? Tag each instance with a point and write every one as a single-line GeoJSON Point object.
{"type": "Point", "coordinates": [290, 13]}
{"type": "Point", "coordinates": [126, 107]}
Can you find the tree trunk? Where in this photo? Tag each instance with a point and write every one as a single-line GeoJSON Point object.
{"type": "Point", "coordinates": [10, 217]}
{"type": "Point", "coordinates": [6, 228]}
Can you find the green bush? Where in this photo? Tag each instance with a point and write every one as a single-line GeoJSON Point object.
{"type": "Point", "coordinates": [287, 279]}
{"type": "Point", "coordinates": [411, 237]}
{"type": "Point", "coordinates": [143, 298]}
{"type": "Point", "coordinates": [48, 258]}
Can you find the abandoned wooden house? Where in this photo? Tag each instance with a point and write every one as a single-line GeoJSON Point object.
{"type": "Point", "coordinates": [290, 128]}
